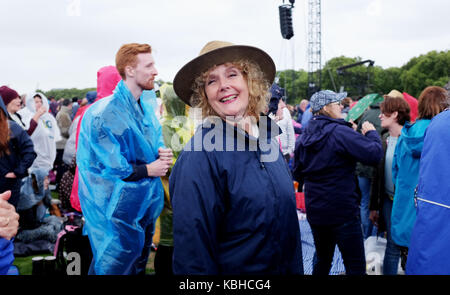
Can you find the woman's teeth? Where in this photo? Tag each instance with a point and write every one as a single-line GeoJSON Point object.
{"type": "Point", "coordinates": [228, 98]}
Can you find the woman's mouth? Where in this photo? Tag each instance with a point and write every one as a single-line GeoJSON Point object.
{"type": "Point", "coordinates": [229, 99]}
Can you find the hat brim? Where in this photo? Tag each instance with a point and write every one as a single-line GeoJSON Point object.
{"type": "Point", "coordinates": [185, 77]}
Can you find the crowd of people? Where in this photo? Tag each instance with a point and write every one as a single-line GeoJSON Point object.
{"type": "Point", "coordinates": [222, 183]}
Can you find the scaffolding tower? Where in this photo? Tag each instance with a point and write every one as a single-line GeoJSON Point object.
{"type": "Point", "coordinates": [314, 47]}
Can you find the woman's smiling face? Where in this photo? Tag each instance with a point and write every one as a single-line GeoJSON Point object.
{"type": "Point", "coordinates": [227, 91]}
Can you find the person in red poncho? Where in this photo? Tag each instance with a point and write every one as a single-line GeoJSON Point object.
{"type": "Point", "coordinates": [107, 79]}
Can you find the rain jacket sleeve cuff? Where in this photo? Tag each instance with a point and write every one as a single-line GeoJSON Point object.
{"type": "Point", "coordinates": [139, 172]}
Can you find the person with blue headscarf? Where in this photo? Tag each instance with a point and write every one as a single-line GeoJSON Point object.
{"type": "Point", "coordinates": [120, 158]}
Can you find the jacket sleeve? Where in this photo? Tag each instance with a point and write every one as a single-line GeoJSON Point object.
{"type": "Point", "coordinates": [197, 211]}
{"type": "Point", "coordinates": [33, 125]}
{"type": "Point", "coordinates": [365, 149]}
{"type": "Point", "coordinates": [26, 151]}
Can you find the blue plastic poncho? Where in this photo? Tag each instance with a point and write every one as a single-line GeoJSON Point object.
{"type": "Point", "coordinates": [116, 134]}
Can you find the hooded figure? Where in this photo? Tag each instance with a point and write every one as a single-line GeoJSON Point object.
{"type": "Point", "coordinates": [107, 79]}
{"type": "Point", "coordinates": [45, 135]}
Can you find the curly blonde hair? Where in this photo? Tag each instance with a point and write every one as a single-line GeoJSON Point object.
{"type": "Point", "coordinates": [258, 89]}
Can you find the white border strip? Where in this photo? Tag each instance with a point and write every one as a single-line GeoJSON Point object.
{"type": "Point", "coordinates": [434, 203]}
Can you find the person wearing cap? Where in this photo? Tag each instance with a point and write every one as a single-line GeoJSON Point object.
{"type": "Point", "coordinates": [326, 157]}
{"type": "Point", "coordinates": [231, 190]}
{"type": "Point", "coordinates": [13, 103]}
{"type": "Point", "coordinates": [16, 155]}
{"type": "Point", "coordinates": [120, 157]}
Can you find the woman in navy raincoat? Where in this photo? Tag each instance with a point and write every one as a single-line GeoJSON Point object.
{"type": "Point", "coordinates": [326, 157]}
{"type": "Point", "coordinates": [16, 155]}
{"type": "Point", "coordinates": [231, 191]}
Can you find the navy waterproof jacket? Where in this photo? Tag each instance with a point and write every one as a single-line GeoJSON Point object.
{"type": "Point", "coordinates": [234, 210]}
{"type": "Point", "coordinates": [20, 158]}
{"type": "Point", "coordinates": [326, 157]}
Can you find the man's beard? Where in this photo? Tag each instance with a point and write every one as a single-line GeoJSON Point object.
{"type": "Point", "coordinates": [147, 86]}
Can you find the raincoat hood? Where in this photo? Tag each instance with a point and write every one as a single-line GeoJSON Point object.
{"type": "Point", "coordinates": [30, 104]}
{"type": "Point", "coordinates": [413, 136]}
{"type": "Point", "coordinates": [107, 79]}
{"type": "Point", "coordinates": [319, 129]}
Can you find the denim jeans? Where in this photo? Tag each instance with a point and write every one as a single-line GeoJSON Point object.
{"type": "Point", "coordinates": [392, 253]}
{"type": "Point", "coordinates": [364, 186]}
{"type": "Point", "coordinates": [349, 238]}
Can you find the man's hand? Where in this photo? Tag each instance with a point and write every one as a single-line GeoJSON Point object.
{"type": "Point", "coordinates": [165, 154]}
{"type": "Point", "coordinates": [158, 168]}
{"type": "Point", "coordinates": [9, 219]}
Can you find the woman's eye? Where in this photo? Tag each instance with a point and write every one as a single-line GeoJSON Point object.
{"type": "Point", "coordinates": [210, 82]}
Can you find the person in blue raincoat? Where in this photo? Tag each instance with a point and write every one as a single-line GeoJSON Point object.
{"type": "Point", "coordinates": [430, 238]}
{"type": "Point", "coordinates": [405, 166]}
{"type": "Point", "coordinates": [232, 193]}
{"type": "Point", "coordinates": [120, 158]}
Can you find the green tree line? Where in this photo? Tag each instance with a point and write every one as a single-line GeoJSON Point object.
{"type": "Point", "coordinates": [66, 93]}
{"type": "Point", "coordinates": [419, 72]}
{"type": "Point", "coordinates": [75, 92]}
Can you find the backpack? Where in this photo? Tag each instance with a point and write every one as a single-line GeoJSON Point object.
{"type": "Point", "coordinates": [72, 249]}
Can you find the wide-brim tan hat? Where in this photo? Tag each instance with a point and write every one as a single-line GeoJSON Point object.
{"type": "Point", "coordinates": [217, 53]}
{"type": "Point", "coordinates": [395, 93]}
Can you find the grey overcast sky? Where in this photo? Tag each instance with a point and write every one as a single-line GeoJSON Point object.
{"type": "Point", "coordinates": [62, 43]}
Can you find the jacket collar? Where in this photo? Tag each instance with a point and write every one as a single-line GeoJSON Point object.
{"type": "Point", "coordinates": [268, 129]}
